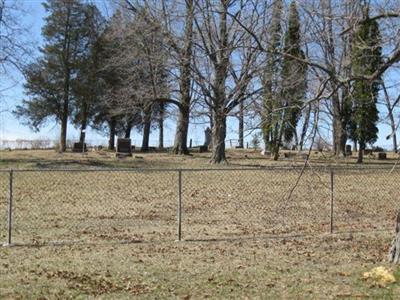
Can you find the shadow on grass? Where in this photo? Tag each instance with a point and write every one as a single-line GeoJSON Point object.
{"type": "Point", "coordinates": [41, 163]}
{"type": "Point", "coordinates": [344, 235]}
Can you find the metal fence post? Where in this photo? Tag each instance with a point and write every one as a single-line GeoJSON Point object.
{"type": "Point", "coordinates": [331, 216]}
{"type": "Point", "coordinates": [10, 208]}
{"type": "Point", "coordinates": [179, 212]}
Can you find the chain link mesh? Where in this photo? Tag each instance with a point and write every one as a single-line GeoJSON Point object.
{"type": "Point", "coordinates": [254, 203]}
{"type": "Point", "coordinates": [96, 205]}
{"type": "Point", "coordinates": [366, 199]}
{"type": "Point", "coordinates": [4, 191]}
{"type": "Point", "coordinates": [142, 205]}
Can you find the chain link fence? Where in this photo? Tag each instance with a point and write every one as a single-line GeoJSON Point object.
{"type": "Point", "coordinates": [43, 206]}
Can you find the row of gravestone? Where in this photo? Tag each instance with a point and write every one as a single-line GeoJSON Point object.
{"type": "Point", "coordinates": [381, 155]}
{"type": "Point", "coordinates": [124, 146]}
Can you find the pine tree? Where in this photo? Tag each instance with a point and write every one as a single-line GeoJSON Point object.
{"type": "Point", "coordinates": [270, 79]}
{"type": "Point", "coordinates": [49, 80]}
{"type": "Point", "coordinates": [107, 115]}
{"type": "Point", "coordinates": [86, 87]}
{"type": "Point", "coordinates": [284, 93]}
{"type": "Point", "coordinates": [366, 58]}
{"type": "Point", "coordinates": [294, 76]}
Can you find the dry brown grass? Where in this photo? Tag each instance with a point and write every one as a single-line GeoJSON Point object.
{"type": "Point", "coordinates": [228, 220]}
{"type": "Point", "coordinates": [104, 159]}
{"type": "Point", "coordinates": [323, 267]}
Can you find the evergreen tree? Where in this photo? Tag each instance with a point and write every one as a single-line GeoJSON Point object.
{"type": "Point", "coordinates": [86, 87]}
{"type": "Point", "coordinates": [107, 115]}
{"type": "Point", "coordinates": [294, 76]}
{"type": "Point", "coordinates": [49, 80]}
{"type": "Point", "coordinates": [366, 58]}
{"type": "Point", "coordinates": [270, 119]}
{"type": "Point", "coordinates": [284, 93]}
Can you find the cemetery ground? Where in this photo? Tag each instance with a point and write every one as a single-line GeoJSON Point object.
{"type": "Point", "coordinates": [294, 266]}
{"type": "Point", "coordinates": [46, 159]}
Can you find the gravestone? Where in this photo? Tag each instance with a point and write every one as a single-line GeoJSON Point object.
{"type": "Point", "coordinates": [265, 152]}
{"type": "Point", "coordinates": [207, 137]}
{"type": "Point", "coordinates": [79, 148]}
{"type": "Point", "coordinates": [207, 140]}
{"type": "Point", "coordinates": [203, 149]}
{"type": "Point", "coordinates": [289, 154]}
{"type": "Point", "coordinates": [382, 156]}
{"type": "Point", "coordinates": [348, 150]}
{"type": "Point", "coordinates": [124, 147]}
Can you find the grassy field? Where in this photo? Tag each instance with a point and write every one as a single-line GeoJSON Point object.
{"type": "Point", "coordinates": [111, 234]}
{"type": "Point", "coordinates": [323, 267]}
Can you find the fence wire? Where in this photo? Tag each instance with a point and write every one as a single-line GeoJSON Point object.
{"type": "Point", "coordinates": [143, 205]}
{"type": "Point", "coordinates": [254, 203]}
{"type": "Point", "coordinates": [366, 199]}
{"type": "Point", "coordinates": [4, 184]}
{"type": "Point", "coordinates": [92, 206]}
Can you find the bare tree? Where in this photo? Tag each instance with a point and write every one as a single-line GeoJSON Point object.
{"type": "Point", "coordinates": [390, 106]}
{"type": "Point", "coordinates": [15, 43]}
{"type": "Point", "coordinates": [225, 63]}
{"type": "Point", "coordinates": [140, 68]}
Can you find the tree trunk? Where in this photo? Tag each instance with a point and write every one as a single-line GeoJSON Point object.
{"type": "Point", "coordinates": [343, 141]}
{"type": "Point", "coordinates": [391, 118]}
{"type": "Point", "coordinates": [340, 136]}
{"type": "Point", "coordinates": [161, 127]}
{"type": "Point", "coordinates": [276, 140]}
{"type": "Point", "coordinates": [361, 149]}
{"type": "Point", "coordinates": [211, 117]}
{"type": "Point", "coordinates": [146, 130]}
{"type": "Point", "coordinates": [67, 77]}
{"type": "Point", "coordinates": [241, 125]}
{"type": "Point", "coordinates": [63, 135]}
{"type": "Point", "coordinates": [275, 151]}
{"type": "Point", "coordinates": [180, 143]}
{"type": "Point", "coordinates": [65, 114]}
{"type": "Point", "coordinates": [355, 146]}
{"type": "Point", "coordinates": [305, 127]}
{"type": "Point", "coordinates": [111, 140]}
{"type": "Point", "coordinates": [218, 139]}
{"type": "Point", "coordinates": [394, 252]}
{"type": "Point", "coordinates": [83, 124]}
{"type": "Point", "coordinates": [128, 130]}
{"type": "Point", "coordinates": [221, 65]}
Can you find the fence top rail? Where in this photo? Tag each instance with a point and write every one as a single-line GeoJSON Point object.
{"type": "Point", "coordinates": [226, 169]}
{"type": "Point", "coordinates": [149, 170]}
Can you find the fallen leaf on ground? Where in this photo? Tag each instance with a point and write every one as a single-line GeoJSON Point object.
{"type": "Point", "coordinates": [380, 275]}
